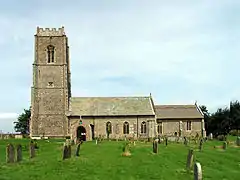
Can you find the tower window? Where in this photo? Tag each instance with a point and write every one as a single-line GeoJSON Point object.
{"type": "Point", "coordinates": [50, 54]}
{"type": "Point", "coordinates": [50, 84]}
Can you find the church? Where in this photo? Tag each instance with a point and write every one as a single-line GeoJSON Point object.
{"type": "Point", "coordinates": [55, 113]}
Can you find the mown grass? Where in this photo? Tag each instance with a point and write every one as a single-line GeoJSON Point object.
{"type": "Point", "coordinates": [104, 161]}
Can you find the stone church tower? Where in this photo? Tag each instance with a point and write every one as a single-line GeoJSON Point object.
{"type": "Point", "coordinates": [51, 88]}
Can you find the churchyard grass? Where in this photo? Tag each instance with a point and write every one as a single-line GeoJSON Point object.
{"type": "Point", "coordinates": [104, 161]}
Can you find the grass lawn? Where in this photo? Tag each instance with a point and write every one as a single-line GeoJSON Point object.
{"type": "Point", "coordinates": [104, 161]}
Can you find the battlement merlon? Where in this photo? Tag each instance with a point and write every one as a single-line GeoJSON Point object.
{"type": "Point", "coordinates": [50, 31]}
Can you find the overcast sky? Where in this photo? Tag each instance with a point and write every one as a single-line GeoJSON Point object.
{"type": "Point", "coordinates": [180, 51]}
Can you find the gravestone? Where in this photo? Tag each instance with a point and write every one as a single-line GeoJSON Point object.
{"type": "Point", "coordinates": [238, 141]}
{"type": "Point", "coordinates": [197, 171]}
{"type": "Point", "coordinates": [78, 149]}
{"type": "Point", "coordinates": [19, 152]}
{"type": "Point", "coordinates": [96, 141]}
{"type": "Point", "coordinates": [69, 151]}
{"type": "Point", "coordinates": [155, 147]}
{"type": "Point", "coordinates": [185, 141]}
{"type": "Point", "coordinates": [32, 150]}
{"type": "Point", "coordinates": [189, 159]}
{"type": "Point", "coordinates": [166, 141]}
{"type": "Point", "coordinates": [201, 145]}
{"type": "Point", "coordinates": [225, 145]}
{"type": "Point", "coordinates": [65, 152]}
{"type": "Point", "coordinates": [10, 153]}
{"type": "Point", "coordinates": [210, 136]}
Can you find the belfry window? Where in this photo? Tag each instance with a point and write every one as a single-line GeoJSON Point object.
{"type": "Point", "coordinates": [50, 54]}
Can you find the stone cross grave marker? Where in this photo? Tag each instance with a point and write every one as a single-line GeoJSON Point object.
{"type": "Point", "coordinates": [189, 159]}
{"type": "Point", "coordinates": [10, 153]}
{"type": "Point", "coordinates": [19, 152]}
{"type": "Point", "coordinates": [197, 171]}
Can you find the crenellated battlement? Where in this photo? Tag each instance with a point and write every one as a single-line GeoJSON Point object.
{"type": "Point", "coordinates": [50, 31]}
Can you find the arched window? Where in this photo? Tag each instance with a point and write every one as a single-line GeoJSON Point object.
{"type": "Point", "coordinates": [160, 128]}
{"type": "Point", "coordinates": [143, 127]}
{"type": "Point", "coordinates": [189, 125]}
{"type": "Point", "coordinates": [50, 54]}
{"type": "Point", "coordinates": [126, 128]}
{"type": "Point", "coordinates": [109, 127]}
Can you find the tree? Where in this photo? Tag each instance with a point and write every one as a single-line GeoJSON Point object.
{"type": "Point", "coordinates": [22, 123]}
{"type": "Point", "coordinates": [207, 117]}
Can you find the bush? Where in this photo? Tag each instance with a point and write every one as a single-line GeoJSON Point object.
{"type": "Point", "coordinates": [221, 138]}
{"type": "Point", "coordinates": [234, 132]}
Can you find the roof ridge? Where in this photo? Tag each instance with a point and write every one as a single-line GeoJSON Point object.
{"type": "Point", "coordinates": [111, 97]}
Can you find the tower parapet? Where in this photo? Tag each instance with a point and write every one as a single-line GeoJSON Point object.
{"type": "Point", "coordinates": [50, 31]}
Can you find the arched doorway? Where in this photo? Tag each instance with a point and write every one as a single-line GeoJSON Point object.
{"type": "Point", "coordinates": [81, 133]}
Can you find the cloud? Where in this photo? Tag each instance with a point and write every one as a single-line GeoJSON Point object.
{"type": "Point", "coordinates": [8, 115]}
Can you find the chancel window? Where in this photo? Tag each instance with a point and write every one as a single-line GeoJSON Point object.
{"type": "Point", "coordinates": [189, 125]}
{"type": "Point", "coordinates": [126, 128]}
{"type": "Point", "coordinates": [109, 127]}
{"type": "Point", "coordinates": [143, 127]}
{"type": "Point", "coordinates": [50, 54]}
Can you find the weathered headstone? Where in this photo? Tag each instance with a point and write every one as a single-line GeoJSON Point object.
{"type": "Point", "coordinates": [210, 136]}
{"type": "Point", "coordinates": [69, 151]}
{"type": "Point", "coordinates": [155, 147]}
{"type": "Point", "coordinates": [201, 145]}
{"type": "Point", "coordinates": [78, 149]}
{"type": "Point", "coordinates": [19, 152]}
{"type": "Point", "coordinates": [189, 159]}
{"type": "Point", "coordinates": [10, 153]}
{"type": "Point", "coordinates": [224, 145]}
{"type": "Point", "coordinates": [185, 141]}
{"type": "Point", "coordinates": [197, 171]}
{"type": "Point", "coordinates": [65, 151]}
{"type": "Point", "coordinates": [32, 150]}
{"type": "Point", "coordinates": [238, 141]}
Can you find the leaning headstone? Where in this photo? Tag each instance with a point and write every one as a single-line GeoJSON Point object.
{"type": "Point", "coordinates": [225, 145]}
{"type": "Point", "coordinates": [210, 136]}
{"type": "Point", "coordinates": [201, 145]}
{"type": "Point", "coordinates": [238, 141]}
{"type": "Point", "coordinates": [78, 149]}
{"type": "Point", "coordinates": [155, 147]}
{"type": "Point", "coordinates": [10, 153]}
{"type": "Point", "coordinates": [32, 150]}
{"type": "Point", "coordinates": [197, 171]}
{"type": "Point", "coordinates": [19, 152]}
{"type": "Point", "coordinates": [189, 159]}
